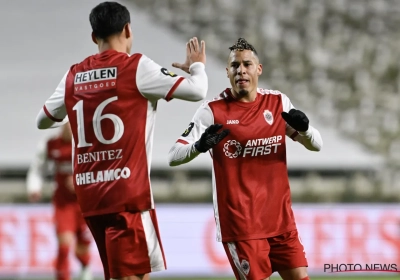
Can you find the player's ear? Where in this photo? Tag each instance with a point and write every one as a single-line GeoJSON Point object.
{"type": "Point", "coordinates": [227, 73]}
{"type": "Point", "coordinates": [259, 69]}
{"type": "Point", "coordinates": [94, 39]}
{"type": "Point", "coordinates": [128, 31]}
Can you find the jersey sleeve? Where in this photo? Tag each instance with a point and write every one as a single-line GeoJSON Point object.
{"type": "Point", "coordinates": [54, 107]}
{"type": "Point", "coordinates": [154, 81]}
{"type": "Point", "coordinates": [311, 139]}
{"type": "Point", "coordinates": [201, 120]}
{"type": "Point", "coordinates": [37, 168]}
{"type": "Point", "coordinates": [184, 149]}
{"type": "Point", "coordinates": [287, 106]}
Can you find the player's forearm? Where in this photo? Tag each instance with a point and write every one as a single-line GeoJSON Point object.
{"type": "Point", "coordinates": [34, 180]}
{"type": "Point", "coordinates": [44, 122]}
{"type": "Point", "coordinates": [311, 139]}
{"type": "Point", "coordinates": [36, 172]}
{"type": "Point", "coordinates": [195, 87]}
{"type": "Point", "coordinates": [181, 153]}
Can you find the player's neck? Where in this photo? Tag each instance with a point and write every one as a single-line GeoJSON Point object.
{"type": "Point", "coordinates": [250, 97]}
{"type": "Point", "coordinates": [112, 45]}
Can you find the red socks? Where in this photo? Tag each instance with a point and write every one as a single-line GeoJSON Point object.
{"type": "Point", "coordinates": [305, 278]}
{"type": "Point", "coordinates": [84, 259]}
{"type": "Point", "coordinates": [62, 263]}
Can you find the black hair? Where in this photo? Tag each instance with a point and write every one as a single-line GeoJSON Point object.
{"type": "Point", "coordinates": [108, 18]}
{"type": "Point", "coordinates": [241, 44]}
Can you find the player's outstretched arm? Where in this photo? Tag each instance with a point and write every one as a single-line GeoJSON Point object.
{"type": "Point", "coordinates": [200, 136]}
{"type": "Point", "coordinates": [53, 114]}
{"type": "Point", "coordinates": [194, 65]}
{"type": "Point", "coordinates": [211, 137]}
{"type": "Point", "coordinates": [44, 122]}
{"type": "Point", "coordinates": [181, 153]}
{"type": "Point", "coordinates": [194, 53]}
{"type": "Point", "coordinates": [299, 129]}
{"type": "Point", "coordinates": [156, 82]}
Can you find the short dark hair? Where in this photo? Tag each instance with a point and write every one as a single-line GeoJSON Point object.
{"type": "Point", "coordinates": [241, 44]}
{"type": "Point", "coordinates": [108, 18]}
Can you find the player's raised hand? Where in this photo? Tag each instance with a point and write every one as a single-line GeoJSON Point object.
{"type": "Point", "coordinates": [210, 138]}
{"type": "Point", "coordinates": [296, 119]}
{"type": "Point", "coordinates": [195, 52]}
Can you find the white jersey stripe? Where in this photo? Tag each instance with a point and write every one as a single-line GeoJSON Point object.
{"type": "Point", "coordinates": [153, 244]}
{"type": "Point", "coordinates": [150, 122]}
{"type": "Point", "coordinates": [235, 258]}
{"type": "Point", "coordinates": [215, 203]}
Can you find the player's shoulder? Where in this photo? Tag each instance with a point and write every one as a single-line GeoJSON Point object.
{"type": "Point", "coordinates": [273, 92]}
{"type": "Point", "coordinates": [85, 61]}
{"type": "Point", "coordinates": [143, 58]}
{"type": "Point", "coordinates": [76, 66]}
{"type": "Point", "coordinates": [140, 55]}
{"type": "Point", "coordinates": [145, 63]}
{"type": "Point", "coordinates": [220, 98]}
{"type": "Point", "coordinates": [264, 91]}
{"type": "Point", "coordinates": [117, 57]}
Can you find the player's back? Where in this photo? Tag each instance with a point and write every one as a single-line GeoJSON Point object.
{"type": "Point", "coordinates": [112, 125]}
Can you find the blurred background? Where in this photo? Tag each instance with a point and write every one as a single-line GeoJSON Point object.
{"type": "Point", "coordinates": [337, 60]}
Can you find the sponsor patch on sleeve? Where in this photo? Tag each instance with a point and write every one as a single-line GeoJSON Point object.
{"type": "Point", "coordinates": [168, 73]}
{"type": "Point", "coordinates": [188, 130]}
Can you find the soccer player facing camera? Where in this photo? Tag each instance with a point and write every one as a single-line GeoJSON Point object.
{"type": "Point", "coordinates": [110, 99]}
{"type": "Point", "coordinates": [244, 130]}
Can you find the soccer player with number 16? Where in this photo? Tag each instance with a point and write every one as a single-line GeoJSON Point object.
{"type": "Point", "coordinates": [110, 99]}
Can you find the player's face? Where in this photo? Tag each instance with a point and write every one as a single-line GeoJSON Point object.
{"type": "Point", "coordinates": [243, 71]}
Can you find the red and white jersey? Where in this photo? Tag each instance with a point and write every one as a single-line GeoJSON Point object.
{"type": "Point", "coordinates": [250, 182]}
{"type": "Point", "coordinates": [58, 152]}
{"type": "Point", "coordinates": [111, 101]}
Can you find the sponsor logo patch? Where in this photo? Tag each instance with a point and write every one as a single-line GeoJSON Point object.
{"type": "Point", "coordinates": [168, 73]}
{"type": "Point", "coordinates": [95, 80]}
{"type": "Point", "coordinates": [188, 130]}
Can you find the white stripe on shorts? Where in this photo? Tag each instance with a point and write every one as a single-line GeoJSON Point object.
{"type": "Point", "coordinates": [153, 245]}
{"type": "Point", "coordinates": [235, 258]}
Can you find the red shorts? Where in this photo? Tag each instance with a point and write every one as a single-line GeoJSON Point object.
{"type": "Point", "coordinates": [68, 218]}
{"type": "Point", "coordinates": [259, 258]}
{"type": "Point", "coordinates": [128, 243]}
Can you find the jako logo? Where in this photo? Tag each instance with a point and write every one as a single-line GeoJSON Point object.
{"type": "Point", "coordinates": [232, 122]}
